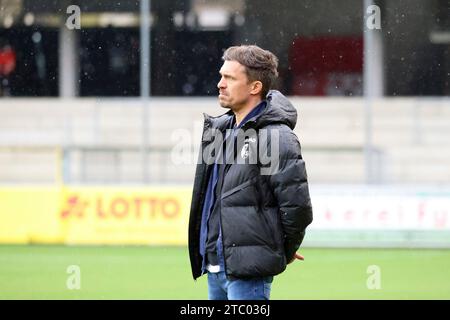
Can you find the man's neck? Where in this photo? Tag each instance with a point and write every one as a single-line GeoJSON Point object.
{"type": "Point", "coordinates": [243, 112]}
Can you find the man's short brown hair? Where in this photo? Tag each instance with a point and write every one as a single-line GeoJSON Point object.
{"type": "Point", "coordinates": [260, 65]}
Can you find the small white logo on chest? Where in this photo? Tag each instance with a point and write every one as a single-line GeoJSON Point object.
{"type": "Point", "coordinates": [244, 151]}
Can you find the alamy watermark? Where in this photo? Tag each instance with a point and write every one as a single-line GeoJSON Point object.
{"type": "Point", "coordinates": [74, 20]}
{"type": "Point", "coordinates": [373, 20]}
{"type": "Point", "coordinates": [73, 281]}
{"type": "Point", "coordinates": [374, 279]}
{"type": "Point", "coordinates": [233, 146]}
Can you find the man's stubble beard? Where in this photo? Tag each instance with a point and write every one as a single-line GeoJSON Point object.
{"type": "Point", "coordinates": [224, 105]}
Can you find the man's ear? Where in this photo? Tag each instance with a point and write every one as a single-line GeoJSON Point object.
{"type": "Point", "coordinates": [256, 87]}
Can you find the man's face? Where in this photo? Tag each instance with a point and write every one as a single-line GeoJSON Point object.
{"type": "Point", "coordinates": [234, 87]}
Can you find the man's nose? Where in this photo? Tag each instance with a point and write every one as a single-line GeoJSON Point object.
{"type": "Point", "coordinates": [221, 83]}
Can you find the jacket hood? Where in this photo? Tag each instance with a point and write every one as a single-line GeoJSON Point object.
{"type": "Point", "coordinates": [278, 110]}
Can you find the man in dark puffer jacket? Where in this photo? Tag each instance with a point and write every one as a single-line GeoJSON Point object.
{"type": "Point", "coordinates": [250, 205]}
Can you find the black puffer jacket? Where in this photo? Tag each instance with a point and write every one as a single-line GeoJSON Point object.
{"type": "Point", "coordinates": [264, 216]}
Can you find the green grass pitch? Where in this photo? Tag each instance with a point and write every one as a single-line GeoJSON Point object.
{"type": "Point", "coordinates": [148, 272]}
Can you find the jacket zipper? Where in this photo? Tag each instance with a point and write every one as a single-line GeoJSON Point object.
{"type": "Point", "coordinates": [225, 171]}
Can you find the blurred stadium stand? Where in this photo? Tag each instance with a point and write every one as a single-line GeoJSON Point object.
{"type": "Point", "coordinates": [99, 140]}
{"type": "Point", "coordinates": [188, 38]}
{"type": "Point", "coordinates": [319, 43]}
